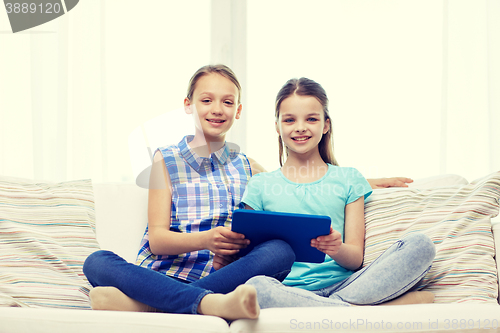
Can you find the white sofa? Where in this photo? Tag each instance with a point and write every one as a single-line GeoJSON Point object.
{"type": "Point", "coordinates": [121, 216]}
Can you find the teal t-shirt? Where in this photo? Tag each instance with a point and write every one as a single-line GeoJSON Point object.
{"type": "Point", "coordinates": [328, 195]}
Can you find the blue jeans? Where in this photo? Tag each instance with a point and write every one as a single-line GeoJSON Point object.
{"type": "Point", "coordinates": [104, 268]}
{"type": "Point", "coordinates": [392, 274]}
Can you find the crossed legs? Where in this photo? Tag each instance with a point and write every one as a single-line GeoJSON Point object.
{"type": "Point", "coordinates": [385, 281]}
{"type": "Point", "coordinates": [119, 285]}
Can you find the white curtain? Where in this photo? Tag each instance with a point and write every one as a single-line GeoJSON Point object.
{"type": "Point", "coordinates": [414, 85]}
{"type": "Point", "coordinates": [74, 89]}
{"type": "Point", "coordinates": [471, 91]}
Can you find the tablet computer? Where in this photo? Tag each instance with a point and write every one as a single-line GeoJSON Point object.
{"type": "Point", "coordinates": [295, 229]}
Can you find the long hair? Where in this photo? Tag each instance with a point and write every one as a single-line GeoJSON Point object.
{"type": "Point", "coordinates": [208, 69]}
{"type": "Point", "coordinates": [307, 87]}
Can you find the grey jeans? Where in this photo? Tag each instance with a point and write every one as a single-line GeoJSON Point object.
{"type": "Point", "coordinates": [392, 274]}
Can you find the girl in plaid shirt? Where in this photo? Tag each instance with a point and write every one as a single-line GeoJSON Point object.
{"type": "Point", "coordinates": [194, 188]}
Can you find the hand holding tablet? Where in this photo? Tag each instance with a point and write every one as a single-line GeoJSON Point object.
{"type": "Point", "coordinates": [295, 229]}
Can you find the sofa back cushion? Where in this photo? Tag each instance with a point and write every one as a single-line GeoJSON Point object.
{"type": "Point", "coordinates": [457, 219]}
{"type": "Point", "coordinates": [122, 217]}
{"type": "Point", "coordinates": [46, 232]}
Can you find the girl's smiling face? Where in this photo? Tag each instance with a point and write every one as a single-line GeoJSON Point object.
{"type": "Point", "coordinates": [301, 123]}
{"type": "Point", "coordinates": [214, 105]}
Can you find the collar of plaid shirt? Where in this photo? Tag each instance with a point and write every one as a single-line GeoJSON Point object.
{"type": "Point", "coordinates": [196, 161]}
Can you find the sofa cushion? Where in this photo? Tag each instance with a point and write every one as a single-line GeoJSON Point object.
{"type": "Point", "coordinates": [429, 318]}
{"type": "Point", "coordinates": [457, 219]}
{"type": "Point", "coordinates": [47, 230]}
{"type": "Point", "coordinates": [16, 320]}
{"type": "Point", "coordinates": [122, 216]}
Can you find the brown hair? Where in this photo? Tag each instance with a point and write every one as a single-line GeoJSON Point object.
{"type": "Point", "coordinates": [307, 87]}
{"type": "Point", "coordinates": [208, 69]}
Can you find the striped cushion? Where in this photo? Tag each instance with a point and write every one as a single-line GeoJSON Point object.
{"type": "Point", "coordinates": [46, 232]}
{"type": "Point", "coordinates": [457, 220]}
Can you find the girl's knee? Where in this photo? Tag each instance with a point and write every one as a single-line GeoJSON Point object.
{"type": "Point", "coordinates": [96, 256]}
{"type": "Point", "coordinates": [423, 245]}
{"type": "Point", "coordinates": [282, 251]}
{"type": "Point", "coordinates": [262, 281]}
{"type": "Point", "coordinates": [94, 261]}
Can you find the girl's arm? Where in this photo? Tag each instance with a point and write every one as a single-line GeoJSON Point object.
{"type": "Point", "coordinates": [348, 254]}
{"type": "Point", "coordinates": [389, 182]}
{"type": "Point", "coordinates": [162, 241]}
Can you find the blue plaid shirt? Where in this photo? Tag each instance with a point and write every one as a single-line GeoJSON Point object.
{"type": "Point", "coordinates": [205, 192]}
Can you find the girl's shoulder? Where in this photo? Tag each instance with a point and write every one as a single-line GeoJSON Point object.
{"type": "Point", "coordinates": [169, 148]}
{"type": "Point", "coordinates": [235, 154]}
{"type": "Point", "coordinates": [234, 150]}
{"type": "Point", "coordinates": [169, 151]}
{"type": "Point", "coordinates": [352, 181]}
{"type": "Point", "coordinates": [172, 156]}
{"type": "Point", "coordinates": [343, 172]}
{"type": "Point", "coordinates": [177, 148]}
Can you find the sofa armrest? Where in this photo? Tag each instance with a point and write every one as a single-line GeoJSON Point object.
{"type": "Point", "coordinates": [121, 217]}
{"type": "Point", "coordinates": [495, 228]}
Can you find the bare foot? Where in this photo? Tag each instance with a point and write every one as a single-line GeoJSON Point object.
{"type": "Point", "coordinates": [241, 303]}
{"type": "Point", "coordinates": [111, 298]}
{"type": "Point", "coordinates": [412, 297]}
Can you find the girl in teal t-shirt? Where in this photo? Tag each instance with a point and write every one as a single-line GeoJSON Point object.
{"type": "Point", "coordinates": [311, 182]}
